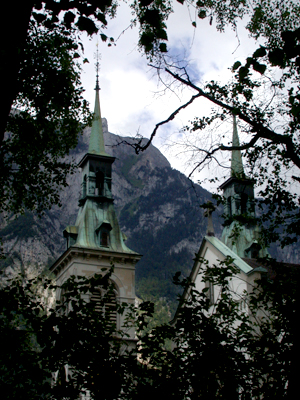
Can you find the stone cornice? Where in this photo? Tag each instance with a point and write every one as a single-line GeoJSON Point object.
{"type": "Point", "coordinates": [86, 254]}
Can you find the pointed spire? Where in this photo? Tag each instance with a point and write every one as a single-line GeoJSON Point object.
{"type": "Point", "coordinates": [237, 168]}
{"type": "Point", "coordinates": [96, 145]}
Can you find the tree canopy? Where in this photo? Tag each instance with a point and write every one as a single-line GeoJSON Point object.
{"type": "Point", "coordinates": [64, 349]}
{"type": "Point", "coordinates": [273, 68]}
{"type": "Point", "coordinates": [263, 93]}
{"type": "Point", "coordinates": [43, 109]}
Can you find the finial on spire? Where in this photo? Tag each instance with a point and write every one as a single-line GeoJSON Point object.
{"type": "Point", "coordinates": [237, 168]}
{"type": "Point", "coordinates": [97, 65]}
{"type": "Point", "coordinates": [96, 145]}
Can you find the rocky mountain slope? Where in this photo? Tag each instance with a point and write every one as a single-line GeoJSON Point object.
{"type": "Point", "coordinates": [157, 206]}
{"type": "Point", "coordinates": [158, 209]}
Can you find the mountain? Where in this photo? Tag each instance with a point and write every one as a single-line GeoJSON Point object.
{"type": "Point", "coordinates": [158, 210]}
{"type": "Point", "coordinates": [157, 206]}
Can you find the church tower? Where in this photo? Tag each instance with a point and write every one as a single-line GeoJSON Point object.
{"type": "Point", "coordinates": [240, 233]}
{"type": "Point", "coordinates": [95, 242]}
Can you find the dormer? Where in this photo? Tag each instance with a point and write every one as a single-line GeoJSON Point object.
{"type": "Point", "coordinates": [71, 233]}
{"type": "Point", "coordinates": [103, 234]}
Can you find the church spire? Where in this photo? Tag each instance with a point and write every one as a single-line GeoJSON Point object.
{"type": "Point", "coordinates": [240, 233]}
{"type": "Point", "coordinates": [96, 145]}
{"type": "Point", "coordinates": [237, 169]}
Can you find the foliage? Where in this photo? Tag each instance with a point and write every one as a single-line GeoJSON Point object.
{"type": "Point", "coordinates": [43, 109]}
{"type": "Point", "coordinates": [264, 94]}
{"type": "Point", "coordinates": [48, 114]}
{"type": "Point", "coordinates": [151, 16]}
{"type": "Point", "coordinates": [221, 351]}
{"type": "Point", "coordinates": [49, 353]}
{"type": "Point", "coordinates": [22, 227]}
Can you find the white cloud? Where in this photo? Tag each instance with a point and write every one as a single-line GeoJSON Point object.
{"type": "Point", "coordinates": [129, 88]}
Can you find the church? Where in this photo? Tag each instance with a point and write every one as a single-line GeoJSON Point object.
{"type": "Point", "coordinates": [240, 239]}
{"type": "Point", "coordinates": [95, 243]}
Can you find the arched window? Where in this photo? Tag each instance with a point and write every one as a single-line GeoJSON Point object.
{"type": "Point", "coordinates": [244, 201]}
{"type": "Point", "coordinates": [99, 183]}
{"type": "Point", "coordinates": [105, 302]}
{"type": "Point", "coordinates": [253, 250]}
{"type": "Point", "coordinates": [237, 201]}
{"type": "Point", "coordinates": [102, 232]}
{"type": "Point", "coordinates": [104, 238]}
{"type": "Point", "coordinates": [210, 292]}
{"type": "Point", "coordinates": [63, 299]}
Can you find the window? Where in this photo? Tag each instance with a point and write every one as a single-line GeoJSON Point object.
{"type": "Point", "coordinates": [104, 238]}
{"type": "Point", "coordinates": [102, 232]}
{"type": "Point", "coordinates": [99, 183]}
{"type": "Point", "coordinates": [253, 251]}
{"type": "Point", "coordinates": [210, 292]}
{"type": "Point", "coordinates": [244, 201]}
{"type": "Point", "coordinates": [106, 303]}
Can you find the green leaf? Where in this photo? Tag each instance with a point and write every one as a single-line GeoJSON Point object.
{"type": "Point", "coordinates": [194, 24]}
{"type": "Point", "coordinates": [202, 14]}
{"type": "Point", "coordinates": [103, 37]}
{"type": "Point", "coordinates": [163, 47]}
{"type": "Point", "coordinates": [261, 52]}
{"type": "Point", "coordinates": [87, 25]}
{"type": "Point", "coordinates": [145, 3]}
{"type": "Point", "coordinates": [162, 34]}
{"type": "Point", "coordinates": [277, 57]}
{"type": "Point", "coordinates": [69, 18]}
{"type": "Point", "coordinates": [259, 67]}
{"type": "Point", "coordinates": [101, 17]}
{"type": "Point", "coordinates": [152, 17]}
{"type": "Point", "coordinates": [243, 72]}
{"type": "Point", "coordinates": [39, 17]}
{"type": "Point", "coordinates": [236, 65]}
{"type": "Point", "coordinates": [146, 40]}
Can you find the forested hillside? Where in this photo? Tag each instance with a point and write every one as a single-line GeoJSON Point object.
{"type": "Point", "coordinates": [158, 210]}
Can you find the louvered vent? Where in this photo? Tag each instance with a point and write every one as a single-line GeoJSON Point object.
{"type": "Point", "coordinates": [96, 298]}
{"type": "Point", "coordinates": [109, 311]}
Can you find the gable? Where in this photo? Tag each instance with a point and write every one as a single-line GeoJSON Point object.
{"type": "Point", "coordinates": [222, 251]}
{"type": "Point", "coordinates": [214, 252]}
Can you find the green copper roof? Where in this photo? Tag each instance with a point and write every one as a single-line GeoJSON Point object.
{"type": "Point", "coordinates": [227, 252]}
{"type": "Point", "coordinates": [96, 145]}
{"type": "Point", "coordinates": [237, 168]}
{"type": "Point", "coordinates": [91, 217]}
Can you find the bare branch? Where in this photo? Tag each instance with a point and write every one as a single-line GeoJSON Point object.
{"type": "Point", "coordinates": [208, 156]}
{"type": "Point", "coordinates": [242, 147]}
{"type": "Point", "coordinates": [261, 131]}
{"type": "Point", "coordinates": [138, 147]}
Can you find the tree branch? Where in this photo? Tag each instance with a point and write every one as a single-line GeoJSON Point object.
{"type": "Point", "coordinates": [261, 131]}
{"type": "Point", "coordinates": [138, 147]}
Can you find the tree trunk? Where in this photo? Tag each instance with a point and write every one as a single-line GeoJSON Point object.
{"type": "Point", "coordinates": [13, 30]}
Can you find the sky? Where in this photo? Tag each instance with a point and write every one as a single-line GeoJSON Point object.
{"type": "Point", "coordinates": [132, 98]}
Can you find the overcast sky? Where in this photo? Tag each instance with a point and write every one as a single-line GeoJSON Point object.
{"type": "Point", "coordinates": [131, 97]}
